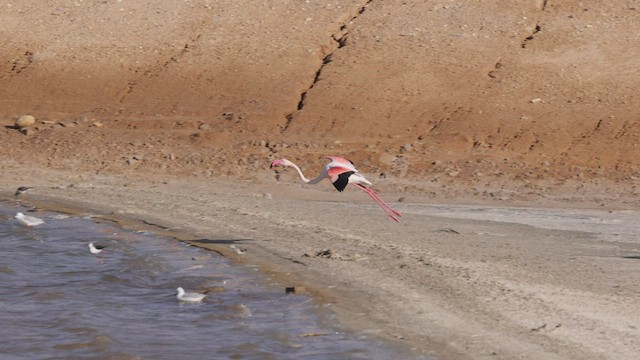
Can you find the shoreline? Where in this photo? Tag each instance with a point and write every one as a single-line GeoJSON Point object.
{"type": "Point", "coordinates": [171, 117]}
{"type": "Point", "coordinates": [267, 263]}
{"type": "Point", "coordinates": [434, 285]}
{"type": "Point", "coordinates": [287, 324]}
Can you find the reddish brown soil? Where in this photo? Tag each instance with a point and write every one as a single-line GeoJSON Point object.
{"type": "Point", "coordinates": [482, 96]}
{"type": "Point", "coordinates": [525, 100]}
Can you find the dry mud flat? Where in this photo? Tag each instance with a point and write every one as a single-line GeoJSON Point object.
{"type": "Point", "coordinates": [451, 281]}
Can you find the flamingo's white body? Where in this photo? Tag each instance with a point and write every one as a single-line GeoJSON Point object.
{"type": "Point", "coordinates": [342, 172]}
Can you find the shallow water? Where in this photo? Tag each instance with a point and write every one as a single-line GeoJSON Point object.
{"type": "Point", "coordinates": [59, 301]}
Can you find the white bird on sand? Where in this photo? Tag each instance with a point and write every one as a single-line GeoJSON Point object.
{"type": "Point", "coordinates": [22, 190]}
{"type": "Point", "coordinates": [96, 249]}
{"type": "Point", "coordinates": [189, 297]}
{"type": "Point", "coordinates": [27, 220]}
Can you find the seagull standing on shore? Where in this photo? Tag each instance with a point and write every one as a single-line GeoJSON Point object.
{"type": "Point", "coordinates": [96, 249]}
{"type": "Point", "coordinates": [27, 220]}
{"type": "Point", "coordinates": [189, 297]}
{"type": "Point", "coordinates": [22, 189]}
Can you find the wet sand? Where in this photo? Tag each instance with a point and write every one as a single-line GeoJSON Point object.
{"type": "Point", "coordinates": [450, 281]}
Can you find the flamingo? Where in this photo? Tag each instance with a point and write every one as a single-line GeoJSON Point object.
{"type": "Point", "coordinates": [342, 172]}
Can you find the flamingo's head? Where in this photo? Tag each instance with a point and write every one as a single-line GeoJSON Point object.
{"type": "Point", "coordinates": [281, 162]}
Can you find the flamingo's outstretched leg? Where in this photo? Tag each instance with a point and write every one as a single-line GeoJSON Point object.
{"type": "Point", "coordinates": [376, 197]}
{"type": "Point", "coordinates": [388, 209]}
{"type": "Point", "coordinates": [387, 205]}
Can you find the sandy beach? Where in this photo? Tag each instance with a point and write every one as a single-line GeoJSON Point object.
{"type": "Point", "coordinates": [450, 281]}
{"type": "Point", "coordinates": [505, 133]}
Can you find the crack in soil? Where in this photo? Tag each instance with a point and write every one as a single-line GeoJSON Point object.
{"type": "Point", "coordinates": [154, 72]}
{"type": "Point", "coordinates": [339, 40]}
{"type": "Point", "coordinates": [19, 65]}
{"type": "Point", "coordinates": [496, 67]}
{"type": "Point", "coordinates": [529, 38]}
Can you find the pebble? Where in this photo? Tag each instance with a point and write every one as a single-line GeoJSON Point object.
{"type": "Point", "coordinates": [25, 121]}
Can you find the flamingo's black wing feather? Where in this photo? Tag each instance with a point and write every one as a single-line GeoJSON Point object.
{"type": "Point", "coordinates": [343, 180]}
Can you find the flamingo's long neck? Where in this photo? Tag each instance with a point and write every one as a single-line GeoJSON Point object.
{"type": "Point", "coordinates": [304, 178]}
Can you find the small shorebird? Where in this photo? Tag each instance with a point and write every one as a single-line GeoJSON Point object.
{"type": "Point", "coordinates": [27, 220]}
{"type": "Point", "coordinates": [342, 172]}
{"type": "Point", "coordinates": [189, 297]}
{"type": "Point", "coordinates": [96, 249]}
{"type": "Point", "coordinates": [22, 190]}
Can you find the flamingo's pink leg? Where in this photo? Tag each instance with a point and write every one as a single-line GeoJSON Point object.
{"type": "Point", "coordinates": [373, 193]}
{"type": "Point", "coordinates": [375, 196]}
{"type": "Point", "coordinates": [390, 211]}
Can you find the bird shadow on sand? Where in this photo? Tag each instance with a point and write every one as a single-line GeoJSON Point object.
{"type": "Point", "coordinates": [635, 257]}
{"type": "Point", "coordinates": [220, 241]}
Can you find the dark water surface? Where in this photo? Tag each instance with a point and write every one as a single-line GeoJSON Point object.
{"type": "Point", "coordinates": [59, 301]}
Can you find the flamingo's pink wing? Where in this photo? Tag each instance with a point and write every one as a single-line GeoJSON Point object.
{"type": "Point", "coordinates": [341, 160]}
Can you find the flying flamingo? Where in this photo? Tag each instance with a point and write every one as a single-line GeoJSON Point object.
{"type": "Point", "coordinates": [342, 172]}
